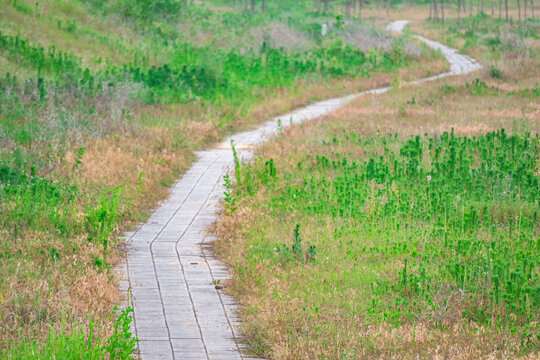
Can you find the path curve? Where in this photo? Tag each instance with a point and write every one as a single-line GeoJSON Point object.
{"type": "Point", "coordinates": [171, 278]}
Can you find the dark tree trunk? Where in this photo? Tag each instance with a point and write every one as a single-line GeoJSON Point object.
{"type": "Point", "coordinates": [430, 10]}
{"type": "Point", "coordinates": [481, 6]}
{"type": "Point", "coordinates": [506, 9]}
{"type": "Point", "coordinates": [492, 9]}
{"type": "Point", "coordinates": [442, 11]}
{"type": "Point", "coordinates": [532, 10]}
{"type": "Point", "coordinates": [459, 12]}
{"type": "Point", "coordinates": [500, 9]}
{"type": "Point", "coordinates": [348, 9]}
{"type": "Point", "coordinates": [252, 6]}
{"type": "Point", "coordinates": [263, 9]}
{"type": "Point", "coordinates": [325, 5]}
{"type": "Point", "coordinates": [435, 11]}
{"type": "Point", "coordinates": [519, 10]}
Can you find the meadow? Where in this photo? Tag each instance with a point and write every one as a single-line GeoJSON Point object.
{"type": "Point", "coordinates": [102, 105]}
{"type": "Point", "coordinates": [402, 226]}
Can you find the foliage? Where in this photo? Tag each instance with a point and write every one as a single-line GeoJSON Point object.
{"type": "Point", "coordinates": [295, 251]}
{"type": "Point", "coordinates": [495, 73]}
{"type": "Point", "coordinates": [102, 218]}
{"type": "Point", "coordinates": [27, 200]}
{"type": "Point", "coordinates": [230, 196]}
{"type": "Point", "coordinates": [76, 344]}
{"type": "Point", "coordinates": [448, 218]}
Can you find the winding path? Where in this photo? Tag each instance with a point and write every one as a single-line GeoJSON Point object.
{"type": "Point", "coordinates": [170, 275]}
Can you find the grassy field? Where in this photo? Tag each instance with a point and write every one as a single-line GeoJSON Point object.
{"type": "Point", "coordinates": [404, 225]}
{"type": "Point", "coordinates": [102, 105]}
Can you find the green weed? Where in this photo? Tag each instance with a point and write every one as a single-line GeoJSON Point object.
{"type": "Point", "coordinates": [230, 196]}
{"type": "Point", "coordinates": [295, 251]}
{"type": "Point", "coordinates": [495, 73]}
{"type": "Point", "coordinates": [102, 219]}
{"type": "Point", "coordinates": [459, 213]}
{"type": "Point", "coordinates": [77, 344]}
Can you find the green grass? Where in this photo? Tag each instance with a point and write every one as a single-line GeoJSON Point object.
{"type": "Point", "coordinates": [428, 231]}
{"type": "Point", "coordinates": [76, 344]}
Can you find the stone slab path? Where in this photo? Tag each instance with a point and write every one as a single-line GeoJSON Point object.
{"type": "Point", "coordinates": [171, 277]}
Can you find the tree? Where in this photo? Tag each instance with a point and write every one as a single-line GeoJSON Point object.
{"type": "Point", "coordinates": [360, 9]}
{"type": "Point", "coordinates": [325, 5]}
{"type": "Point", "coordinates": [348, 9]}
{"type": "Point", "coordinates": [506, 9]}
{"type": "Point", "coordinates": [532, 10]}
{"type": "Point", "coordinates": [519, 10]}
{"type": "Point", "coordinates": [263, 7]}
{"type": "Point", "coordinates": [459, 12]}
{"type": "Point", "coordinates": [435, 12]}
{"type": "Point", "coordinates": [252, 6]}
{"type": "Point", "coordinates": [442, 10]}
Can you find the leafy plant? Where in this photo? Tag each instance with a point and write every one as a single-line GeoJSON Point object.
{"type": "Point", "coordinates": [101, 219]}
{"type": "Point", "coordinates": [230, 196]}
{"type": "Point", "coordinates": [78, 158]}
{"type": "Point", "coordinates": [78, 344]}
{"type": "Point", "coordinates": [295, 251]}
{"type": "Point", "coordinates": [495, 73]}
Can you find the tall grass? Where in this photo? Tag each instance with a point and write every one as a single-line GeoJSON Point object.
{"type": "Point", "coordinates": [430, 231]}
{"type": "Point", "coordinates": [78, 344]}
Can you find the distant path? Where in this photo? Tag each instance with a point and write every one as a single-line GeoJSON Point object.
{"type": "Point", "coordinates": [170, 273]}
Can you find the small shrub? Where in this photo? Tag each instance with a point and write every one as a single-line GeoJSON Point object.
{"type": "Point", "coordinates": [495, 73]}
{"type": "Point", "coordinates": [295, 251]}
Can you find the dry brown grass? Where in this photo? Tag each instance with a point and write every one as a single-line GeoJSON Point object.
{"type": "Point", "coordinates": [436, 111]}
{"type": "Point", "coordinates": [31, 302]}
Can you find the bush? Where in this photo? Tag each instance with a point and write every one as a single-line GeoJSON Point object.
{"type": "Point", "coordinates": [495, 73]}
